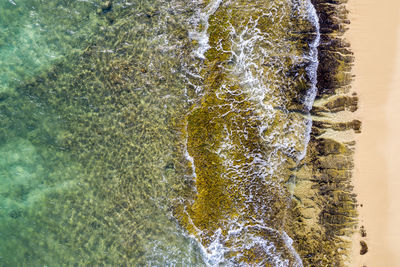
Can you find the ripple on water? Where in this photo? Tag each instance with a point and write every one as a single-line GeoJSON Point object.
{"type": "Point", "coordinates": [89, 165]}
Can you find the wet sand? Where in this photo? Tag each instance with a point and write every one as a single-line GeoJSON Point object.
{"type": "Point", "coordinates": [375, 40]}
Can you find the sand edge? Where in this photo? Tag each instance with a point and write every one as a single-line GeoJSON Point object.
{"type": "Point", "coordinates": [373, 35]}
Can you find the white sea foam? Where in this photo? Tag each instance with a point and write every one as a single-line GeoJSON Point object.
{"type": "Point", "coordinates": [285, 134]}
{"type": "Point", "coordinates": [202, 19]}
{"type": "Point", "coordinates": [312, 73]}
{"type": "Point", "coordinates": [313, 67]}
{"type": "Point", "coordinates": [247, 237]}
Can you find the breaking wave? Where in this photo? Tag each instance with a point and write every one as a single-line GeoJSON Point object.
{"type": "Point", "coordinates": [262, 66]}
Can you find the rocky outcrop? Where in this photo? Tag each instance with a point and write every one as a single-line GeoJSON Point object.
{"type": "Point", "coordinates": [323, 197]}
{"type": "Point", "coordinates": [322, 206]}
{"type": "Point", "coordinates": [339, 126]}
{"type": "Point", "coordinates": [337, 104]}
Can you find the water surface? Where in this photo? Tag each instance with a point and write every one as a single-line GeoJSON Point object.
{"type": "Point", "coordinates": [88, 165]}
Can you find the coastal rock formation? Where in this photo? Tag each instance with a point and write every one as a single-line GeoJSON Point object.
{"type": "Point", "coordinates": [324, 175]}
{"type": "Point", "coordinates": [364, 248]}
{"type": "Point", "coordinates": [308, 205]}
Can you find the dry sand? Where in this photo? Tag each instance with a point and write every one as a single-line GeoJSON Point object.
{"type": "Point", "coordinates": [375, 39]}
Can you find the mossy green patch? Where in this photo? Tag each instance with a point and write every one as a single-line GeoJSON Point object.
{"type": "Point", "coordinates": [225, 141]}
{"type": "Point", "coordinates": [224, 135]}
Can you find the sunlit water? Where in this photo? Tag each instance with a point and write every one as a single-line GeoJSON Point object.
{"type": "Point", "coordinates": [87, 165]}
{"type": "Point", "coordinates": [92, 99]}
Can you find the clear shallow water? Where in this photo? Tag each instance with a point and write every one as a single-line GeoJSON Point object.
{"type": "Point", "coordinates": [87, 150]}
{"type": "Point", "coordinates": [35, 33]}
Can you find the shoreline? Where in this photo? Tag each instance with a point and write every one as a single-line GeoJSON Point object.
{"type": "Point", "coordinates": [374, 43]}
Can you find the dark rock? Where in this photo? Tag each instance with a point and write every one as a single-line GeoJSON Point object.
{"type": "Point", "coordinates": [363, 232]}
{"type": "Point", "coordinates": [169, 166]}
{"type": "Point", "coordinates": [15, 214]}
{"type": "Point", "coordinates": [335, 59]}
{"type": "Point", "coordinates": [151, 14]}
{"type": "Point", "coordinates": [106, 6]}
{"type": "Point", "coordinates": [342, 103]}
{"type": "Point", "coordinates": [341, 126]}
{"type": "Point", "coordinates": [364, 248]}
{"type": "Point", "coordinates": [328, 146]}
{"type": "Point", "coordinates": [3, 96]}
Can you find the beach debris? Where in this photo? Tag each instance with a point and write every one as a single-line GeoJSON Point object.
{"type": "Point", "coordinates": [363, 232]}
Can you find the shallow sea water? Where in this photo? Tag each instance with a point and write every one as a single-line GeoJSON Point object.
{"type": "Point", "coordinates": [87, 166]}
{"type": "Point", "coordinates": [93, 158]}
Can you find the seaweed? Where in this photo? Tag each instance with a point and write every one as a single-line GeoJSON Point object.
{"type": "Point", "coordinates": [311, 200]}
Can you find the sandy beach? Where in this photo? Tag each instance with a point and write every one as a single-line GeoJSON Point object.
{"type": "Point", "coordinates": [374, 36]}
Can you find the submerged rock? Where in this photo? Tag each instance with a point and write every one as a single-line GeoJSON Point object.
{"type": "Point", "coordinates": [106, 6]}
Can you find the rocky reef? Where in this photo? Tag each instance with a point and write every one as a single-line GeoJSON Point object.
{"type": "Point", "coordinates": [311, 200]}
{"type": "Point", "coordinates": [324, 201]}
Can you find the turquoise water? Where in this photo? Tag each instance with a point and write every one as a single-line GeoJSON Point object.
{"type": "Point", "coordinates": [88, 159]}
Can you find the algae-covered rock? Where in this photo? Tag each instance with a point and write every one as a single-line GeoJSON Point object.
{"type": "Point", "coordinates": [106, 6]}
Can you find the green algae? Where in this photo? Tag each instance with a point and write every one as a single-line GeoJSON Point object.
{"type": "Point", "coordinates": [312, 199]}
{"type": "Point", "coordinates": [223, 135]}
